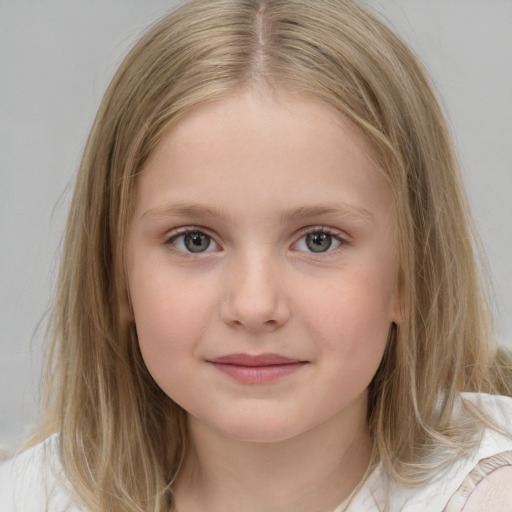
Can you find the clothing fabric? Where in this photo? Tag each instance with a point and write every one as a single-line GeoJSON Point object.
{"type": "Point", "coordinates": [33, 481]}
{"type": "Point", "coordinates": [483, 469]}
{"type": "Point", "coordinates": [452, 486]}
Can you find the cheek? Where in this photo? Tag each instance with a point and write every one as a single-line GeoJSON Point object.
{"type": "Point", "coordinates": [351, 317]}
{"type": "Point", "coordinates": [170, 317]}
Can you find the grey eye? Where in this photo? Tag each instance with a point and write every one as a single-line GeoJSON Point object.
{"type": "Point", "coordinates": [193, 241]}
{"type": "Point", "coordinates": [196, 242]}
{"type": "Point", "coordinates": [318, 242]}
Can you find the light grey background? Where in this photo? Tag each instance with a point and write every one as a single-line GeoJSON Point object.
{"type": "Point", "coordinates": [56, 58]}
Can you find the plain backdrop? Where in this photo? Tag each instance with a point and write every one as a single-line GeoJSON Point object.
{"type": "Point", "coordinates": [56, 59]}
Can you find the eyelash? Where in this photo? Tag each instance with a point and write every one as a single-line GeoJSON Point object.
{"type": "Point", "coordinates": [313, 230]}
{"type": "Point", "coordinates": [182, 233]}
{"type": "Point", "coordinates": [322, 230]}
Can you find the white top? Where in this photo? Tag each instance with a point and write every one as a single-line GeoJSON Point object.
{"type": "Point", "coordinates": [451, 488]}
{"type": "Point", "coordinates": [33, 481]}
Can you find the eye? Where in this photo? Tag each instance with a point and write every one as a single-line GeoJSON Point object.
{"type": "Point", "coordinates": [193, 242]}
{"type": "Point", "coordinates": [318, 241]}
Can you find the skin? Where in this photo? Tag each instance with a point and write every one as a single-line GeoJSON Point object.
{"type": "Point", "coordinates": [257, 173]}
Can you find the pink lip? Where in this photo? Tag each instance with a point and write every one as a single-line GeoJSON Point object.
{"type": "Point", "coordinates": [256, 369]}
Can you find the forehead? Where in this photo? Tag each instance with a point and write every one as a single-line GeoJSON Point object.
{"type": "Point", "coordinates": [286, 149]}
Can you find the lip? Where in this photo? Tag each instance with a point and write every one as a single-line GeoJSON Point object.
{"type": "Point", "coordinates": [257, 369]}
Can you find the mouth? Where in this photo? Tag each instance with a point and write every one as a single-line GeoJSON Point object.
{"type": "Point", "coordinates": [257, 369]}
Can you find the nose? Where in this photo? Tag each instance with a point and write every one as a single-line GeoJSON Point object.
{"type": "Point", "coordinates": [254, 299]}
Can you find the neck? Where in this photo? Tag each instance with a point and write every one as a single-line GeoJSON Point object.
{"type": "Point", "coordinates": [314, 471]}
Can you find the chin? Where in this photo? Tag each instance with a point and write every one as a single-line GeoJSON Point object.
{"type": "Point", "coordinates": [258, 431]}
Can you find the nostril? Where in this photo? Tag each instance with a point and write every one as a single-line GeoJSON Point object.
{"type": "Point", "coordinates": [254, 299]}
{"type": "Point", "coordinates": [255, 319]}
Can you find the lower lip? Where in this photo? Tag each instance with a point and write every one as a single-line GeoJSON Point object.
{"type": "Point", "coordinates": [258, 374]}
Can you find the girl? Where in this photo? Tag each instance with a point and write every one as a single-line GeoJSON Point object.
{"type": "Point", "coordinates": [269, 297]}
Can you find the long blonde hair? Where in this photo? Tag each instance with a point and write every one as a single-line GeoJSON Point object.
{"type": "Point", "coordinates": [112, 418]}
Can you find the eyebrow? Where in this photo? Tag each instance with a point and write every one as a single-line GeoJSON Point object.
{"type": "Point", "coordinates": [338, 209]}
{"type": "Point", "coordinates": [193, 210]}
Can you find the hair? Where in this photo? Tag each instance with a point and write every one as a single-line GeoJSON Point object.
{"type": "Point", "coordinates": [112, 417]}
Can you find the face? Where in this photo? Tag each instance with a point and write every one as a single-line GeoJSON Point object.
{"type": "Point", "coordinates": [261, 266]}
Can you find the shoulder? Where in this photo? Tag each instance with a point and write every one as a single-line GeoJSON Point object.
{"type": "Point", "coordinates": [487, 464]}
{"type": "Point", "coordinates": [482, 478]}
{"type": "Point", "coordinates": [495, 407]}
{"type": "Point", "coordinates": [493, 493]}
{"type": "Point", "coordinates": [487, 487]}
{"type": "Point", "coordinates": [32, 480]}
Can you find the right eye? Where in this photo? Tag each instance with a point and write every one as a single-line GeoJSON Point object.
{"type": "Point", "coordinates": [193, 242]}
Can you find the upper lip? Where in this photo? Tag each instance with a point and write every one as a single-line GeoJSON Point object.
{"type": "Point", "coordinates": [255, 360]}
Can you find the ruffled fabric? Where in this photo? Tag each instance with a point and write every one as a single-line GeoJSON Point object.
{"type": "Point", "coordinates": [484, 468]}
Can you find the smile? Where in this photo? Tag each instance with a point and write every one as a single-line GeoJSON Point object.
{"type": "Point", "coordinates": [257, 369]}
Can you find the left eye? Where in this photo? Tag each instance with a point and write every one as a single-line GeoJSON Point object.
{"type": "Point", "coordinates": [318, 241]}
{"type": "Point", "coordinates": [194, 242]}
